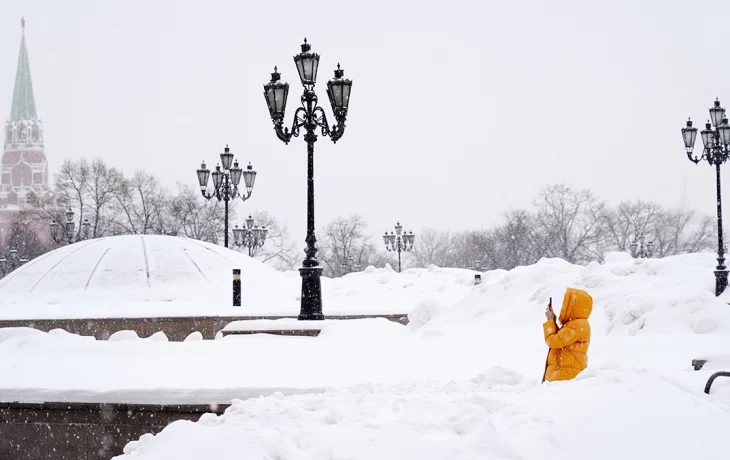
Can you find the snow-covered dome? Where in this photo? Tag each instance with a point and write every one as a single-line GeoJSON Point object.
{"type": "Point", "coordinates": [142, 275]}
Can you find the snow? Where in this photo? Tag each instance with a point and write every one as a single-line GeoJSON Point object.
{"type": "Point", "coordinates": [153, 276]}
{"type": "Point", "coordinates": [461, 381]}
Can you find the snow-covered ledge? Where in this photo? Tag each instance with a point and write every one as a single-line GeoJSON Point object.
{"type": "Point", "coordinates": [283, 326]}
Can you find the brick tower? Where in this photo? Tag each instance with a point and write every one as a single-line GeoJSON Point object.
{"type": "Point", "coordinates": [24, 169]}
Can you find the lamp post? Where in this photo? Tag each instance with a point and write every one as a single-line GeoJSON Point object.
{"type": "Point", "coordinates": [477, 265]}
{"type": "Point", "coordinates": [311, 117]}
{"type": "Point", "coordinates": [348, 266]}
{"type": "Point", "coordinates": [641, 250]}
{"type": "Point", "coordinates": [65, 231]}
{"type": "Point", "coordinates": [12, 261]}
{"type": "Point", "coordinates": [715, 137]}
{"type": "Point", "coordinates": [399, 241]}
{"type": "Point", "coordinates": [250, 236]}
{"type": "Point", "coordinates": [225, 183]}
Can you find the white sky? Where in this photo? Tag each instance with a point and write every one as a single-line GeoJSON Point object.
{"type": "Point", "coordinates": [459, 109]}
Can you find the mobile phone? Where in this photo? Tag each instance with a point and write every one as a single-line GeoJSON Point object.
{"type": "Point", "coordinates": [550, 304]}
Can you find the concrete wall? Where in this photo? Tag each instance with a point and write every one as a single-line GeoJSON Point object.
{"type": "Point", "coordinates": [72, 431]}
{"type": "Point", "coordinates": [175, 328]}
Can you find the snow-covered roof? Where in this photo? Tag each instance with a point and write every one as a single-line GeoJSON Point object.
{"type": "Point", "coordinates": [141, 275]}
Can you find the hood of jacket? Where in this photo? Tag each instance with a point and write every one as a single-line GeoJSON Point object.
{"type": "Point", "coordinates": [577, 304]}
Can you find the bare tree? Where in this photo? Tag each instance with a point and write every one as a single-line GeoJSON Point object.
{"type": "Point", "coordinates": [342, 239]}
{"type": "Point", "coordinates": [192, 216]}
{"type": "Point", "coordinates": [629, 220]}
{"type": "Point", "coordinates": [570, 223]}
{"type": "Point", "coordinates": [141, 201]}
{"type": "Point", "coordinates": [431, 247]}
{"type": "Point", "coordinates": [102, 186]}
{"type": "Point", "coordinates": [71, 186]}
{"type": "Point", "coordinates": [278, 249]}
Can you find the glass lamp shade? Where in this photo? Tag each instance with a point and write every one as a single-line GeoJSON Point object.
{"type": "Point", "coordinates": [226, 159]}
{"type": "Point", "coordinates": [217, 177]}
{"type": "Point", "coordinates": [307, 65]}
{"type": "Point", "coordinates": [13, 253]}
{"type": "Point", "coordinates": [203, 175]}
{"type": "Point", "coordinates": [256, 234]}
{"type": "Point", "coordinates": [717, 113]}
{"type": "Point", "coordinates": [237, 235]}
{"type": "Point", "coordinates": [236, 173]}
{"type": "Point", "coordinates": [650, 247]}
{"type": "Point", "coordinates": [392, 238]}
{"type": "Point", "coordinates": [707, 134]}
{"type": "Point", "coordinates": [724, 132]}
{"type": "Point", "coordinates": [54, 228]}
{"type": "Point", "coordinates": [634, 246]}
{"type": "Point", "coordinates": [69, 215]}
{"type": "Point", "coordinates": [275, 93]}
{"type": "Point", "coordinates": [70, 227]}
{"type": "Point", "coordinates": [249, 177]}
{"type": "Point", "coordinates": [338, 91]}
{"type": "Point", "coordinates": [386, 238]}
{"type": "Point", "coordinates": [689, 135]}
{"type": "Point", "coordinates": [264, 234]}
{"type": "Point", "coordinates": [398, 228]}
{"type": "Point", "coordinates": [249, 222]}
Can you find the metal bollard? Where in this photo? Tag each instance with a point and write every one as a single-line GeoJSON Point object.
{"type": "Point", "coordinates": [477, 279]}
{"type": "Point", "coordinates": [236, 287]}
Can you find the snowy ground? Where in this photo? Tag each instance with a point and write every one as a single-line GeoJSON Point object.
{"type": "Point", "coordinates": [152, 275]}
{"type": "Point", "coordinates": [461, 381]}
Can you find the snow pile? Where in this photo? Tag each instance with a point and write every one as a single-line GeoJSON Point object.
{"type": "Point", "coordinates": [631, 296]}
{"type": "Point", "coordinates": [152, 275]}
{"type": "Point", "coordinates": [621, 413]}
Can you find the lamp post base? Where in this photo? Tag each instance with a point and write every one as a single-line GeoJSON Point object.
{"type": "Point", "coordinates": [311, 306]}
{"type": "Point", "coordinates": [720, 281]}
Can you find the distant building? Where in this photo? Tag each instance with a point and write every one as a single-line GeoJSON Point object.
{"type": "Point", "coordinates": [24, 169]}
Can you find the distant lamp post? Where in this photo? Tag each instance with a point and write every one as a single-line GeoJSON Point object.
{"type": "Point", "coordinates": [250, 236]}
{"type": "Point", "coordinates": [312, 118]}
{"type": "Point", "coordinates": [477, 265]}
{"type": "Point", "coordinates": [65, 231]}
{"type": "Point", "coordinates": [225, 183]}
{"type": "Point", "coordinates": [12, 261]}
{"type": "Point", "coordinates": [641, 249]}
{"type": "Point", "coordinates": [715, 137]}
{"type": "Point", "coordinates": [349, 266]}
{"type": "Point", "coordinates": [399, 241]}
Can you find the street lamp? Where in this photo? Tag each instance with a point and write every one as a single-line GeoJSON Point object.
{"type": "Point", "coordinates": [250, 236]}
{"type": "Point", "coordinates": [67, 232]}
{"type": "Point", "coordinates": [311, 117]}
{"type": "Point", "coordinates": [348, 266]}
{"type": "Point", "coordinates": [399, 241]}
{"type": "Point", "coordinates": [715, 151]}
{"type": "Point", "coordinates": [225, 183]}
{"type": "Point", "coordinates": [11, 262]}
{"type": "Point", "coordinates": [477, 265]}
{"type": "Point", "coordinates": [641, 250]}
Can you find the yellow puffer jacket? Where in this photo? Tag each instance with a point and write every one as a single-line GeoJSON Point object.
{"type": "Point", "coordinates": [569, 344]}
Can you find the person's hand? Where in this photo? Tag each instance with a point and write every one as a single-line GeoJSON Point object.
{"type": "Point", "coordinates": [549, 314]}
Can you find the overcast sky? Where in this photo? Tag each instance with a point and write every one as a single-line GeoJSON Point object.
{"type": "Point", "coordinates": [459, 110]}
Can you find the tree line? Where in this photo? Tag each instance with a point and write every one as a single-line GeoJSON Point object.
{"type": "Point", "coordinates": [565, 222]}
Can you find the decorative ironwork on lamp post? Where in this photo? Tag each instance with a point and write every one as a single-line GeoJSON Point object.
{"type": "Point", "coordinates": [715, 137]}
{"type": "Point", "coordinates": [310, 117]}
{"type": "Point", "coordinates": [399, 241]}
{"type": "Point", "coordinates": [641, 249]}
{"type": "Point", "coordinates": [225, 183]}
{"type": "Point", "coordinates": [65, 231]}
{"type": "Point", "coordinates": [250, 236]}
{"type": "Point", "coordinates": [11, 262]}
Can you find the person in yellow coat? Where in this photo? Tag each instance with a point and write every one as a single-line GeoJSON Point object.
{"type": "Point", "coordinates": [568, 343]}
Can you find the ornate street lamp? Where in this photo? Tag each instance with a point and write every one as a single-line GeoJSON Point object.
{"type": "Point", "coordinates": [311, 117]}
{"type": "Point", "coordinates": [11, 262]}
{"type": "Point", "coordinates": [477, 265]}
{"type": "Point", "coordinates": [250, 236]}
{"type": "Point", "coordinates": [641, 249]}
{"type": "Point", "coordinates": [65, 231]}
{"type": "Point", "coordinates": [348, 266]}
{"type": "Point", "coordinates": [399, 241]}
{"type": "Point", "coordinates": [715, 137]}
{"type": "Point", "coordinates": [226, 182]}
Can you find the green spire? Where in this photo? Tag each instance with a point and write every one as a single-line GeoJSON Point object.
{"type": "Point", "coordinates": [23, 101]}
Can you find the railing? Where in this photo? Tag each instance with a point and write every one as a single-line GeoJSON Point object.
{"type": "Point", "coordinates": [712, 379]}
